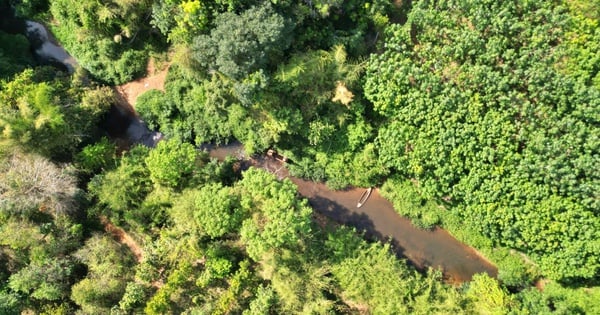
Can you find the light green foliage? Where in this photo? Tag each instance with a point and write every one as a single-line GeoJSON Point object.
{"type": "Point", "coordinates": [213, 209]}
{"type": "Point", "coordinates": [372, 277]}
{"type": "Point", "coordinates": [309, 81]}
{"type": "Point", "coordinates": [583, 41]}
{"type": "Point", "coordinates": [96, 157]}
{"type": "Point", "coordinates": [182, 20]}
{"type": "Point", "coordinates": [514, 269]}
{"type": "Point", "coordinates": [171, 162]}
{"type": "Point", "coordinates": [277, 219]}
{"type": "Point", "coordinates": [30, 115]}
{"type": "Point", "coordinates": [216, 211]}
{"type": "Point", "coordinates": [242, 44]}
{"type": "Point", "coordinates": [433, 296]}
{"type": "Point", "coordinates": [489, 106]}
{"type": "Point", "coordinates": [487, 296]}
{"type": "Point", "coordinates": [21, 236]}
{"type": "Point", "coordinates": [300, 285]}
{"type": "Point", "coordinates": [565, 300]}
{"type": "Point", "coordinates": [98, 100]}
{"type": "Point", "coordinates": [161, 303]}
{"type": "Point", "coordinates": [134, 296]}
{"type": "Point", "coordinates": [366, 168]}
{"type": "Point", "coordinates": [263, 301]}
{"type": "Point", "coordinates": [409, 202]}
{"type": "Point", "coordinates": [41, 112]}
{"type": "Point", "coordinates": [108, 272]}
{"type": "Point", "coordinates": [481, 112]}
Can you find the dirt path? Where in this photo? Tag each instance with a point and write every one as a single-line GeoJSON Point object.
{"type": "Point", "coordinates": [122, 237]}
{"type": "Point", "coordinates": [154, 79]}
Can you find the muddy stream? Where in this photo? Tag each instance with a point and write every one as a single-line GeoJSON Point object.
{"type": "Point", "coordinates": [422, 248]}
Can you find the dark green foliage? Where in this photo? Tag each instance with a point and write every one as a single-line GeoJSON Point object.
{"type": "Point", "coordinates": [481, 115]}
{"type": "Point", "coordinates": [43, 281]}
{"type": "Point", "coordinates": [9, 303]}
{"type": "Point", "coordinates": [154, 109]}
{"type": "Point", "coordinates": [15, 54]}
{"type": "Point", "coordinates": [242, 44]}
{"type": "Point", "coordinates": [29, 8]}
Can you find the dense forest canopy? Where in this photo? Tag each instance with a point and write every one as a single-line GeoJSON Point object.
{"type": "Point", "coordinates": [481, 117]}
{"type": "Point", "coordinates": [485, 112]}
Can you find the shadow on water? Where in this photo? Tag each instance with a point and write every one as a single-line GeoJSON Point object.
{"type": "Point", "coordinates": [377, 218]}
{"type": "Point", "coordinates": [122, 124]}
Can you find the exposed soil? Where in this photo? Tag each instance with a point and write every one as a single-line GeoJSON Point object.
{"type": "Point", "coordinates": [122, 237]}
{"type": "Point", "coordinates": [540, 284]}
{"type": "Point", "coordinates": [154, 79]}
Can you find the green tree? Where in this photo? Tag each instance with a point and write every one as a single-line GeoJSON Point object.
{"type": "Point", "coordinates": [108, 272]}
{"type": "Point", "coordinates": [49, 280]}
{"type": "Point", "coordinates": [242, 44]}
{"type": "Point", "coordinates": [213, 208]}
{"type": "Point", "coordinates": [105, 37]}
{"type": "Point", "coordinates": [15, 54]}
{"type": "Point", "coordinates": [277, 218]}
{"type": "Point", "coordinates": [125, 187]}
{"type": "Point", "coordinates": [171, 162]}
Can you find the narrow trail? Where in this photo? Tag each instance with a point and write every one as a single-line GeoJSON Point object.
{"type": "Point", "coordinates": [123, 237]}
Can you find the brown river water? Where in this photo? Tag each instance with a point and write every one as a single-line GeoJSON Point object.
{"type": "Point", "coordinates": [422, 248]}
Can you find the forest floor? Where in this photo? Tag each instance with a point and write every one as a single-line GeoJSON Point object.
{"type": "Point", "coordinates": [154, 79]}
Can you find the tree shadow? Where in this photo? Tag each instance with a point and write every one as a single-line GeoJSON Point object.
{"type": "Point", "coordinates": [360, 221]}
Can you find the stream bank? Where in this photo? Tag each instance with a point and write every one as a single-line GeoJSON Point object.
{"type": "Point", "coordinates": [434, 248]}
